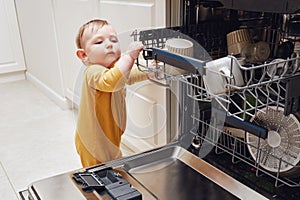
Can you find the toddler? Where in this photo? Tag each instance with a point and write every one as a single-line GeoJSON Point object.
{"type": "Point", "coordinates": [102, 112]}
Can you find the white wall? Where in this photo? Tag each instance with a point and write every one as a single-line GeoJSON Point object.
{"type": "Point", "coordinates": [48, 30]}
{"type": "Point", "coordinates": [146, 127]}
{"type": "Point", "coordinates": [69, 16]}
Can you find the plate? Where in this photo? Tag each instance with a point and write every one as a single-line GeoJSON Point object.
{"type": "Point", "coordinates": [280, 151]}
{"type": "Point", "coordinates": [276, 67]}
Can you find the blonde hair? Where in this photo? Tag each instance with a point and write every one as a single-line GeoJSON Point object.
{"type": "Point", "coordinates": [96, 22]}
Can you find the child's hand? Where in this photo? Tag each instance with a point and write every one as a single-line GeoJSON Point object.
{"type": "Point", "coordinates": [155, 74]}
{"type": "Point", "coordinates": [134, 49]}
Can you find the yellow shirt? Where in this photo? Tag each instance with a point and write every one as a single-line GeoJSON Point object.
{"type": "Point", "coordinates": [102, 112]}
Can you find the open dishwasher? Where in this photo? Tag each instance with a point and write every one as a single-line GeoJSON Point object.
{"type": "Point", "coordinates": [239, 96]}
{"type": "Point", "coordinates": [255, 122]}
{"type": "Point", "coordinates": [223, 145]}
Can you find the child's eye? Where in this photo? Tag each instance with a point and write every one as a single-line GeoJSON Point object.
{"type": "Point", "coordinates": [114, 40]}
{"type": "Point", "coordinates": [99, 42]}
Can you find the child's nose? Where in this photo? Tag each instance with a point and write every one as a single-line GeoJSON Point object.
{"type": "Point", "coordinates": [108, 45]}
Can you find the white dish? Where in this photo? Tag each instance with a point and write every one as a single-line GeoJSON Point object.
{"type": "Point", "coordinates": [180, 46]}
{"type": "Point", "coordinates": [282, 144]}
{"type": "Point", "coordinates": [276, 67]}
{"type": "Point", "coordinates": [220, 73]}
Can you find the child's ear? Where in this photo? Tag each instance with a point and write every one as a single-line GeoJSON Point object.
{"type": "Point", "coordinates": [81, 54]}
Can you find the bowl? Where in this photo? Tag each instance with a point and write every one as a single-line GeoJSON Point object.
{"type": "Point", "coordinates": [237, 40]}
{"type": "Point", "coordinates": [179, 46]}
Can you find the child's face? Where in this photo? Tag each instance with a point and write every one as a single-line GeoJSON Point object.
{"type": "Point", "coordinates": [101, 45]}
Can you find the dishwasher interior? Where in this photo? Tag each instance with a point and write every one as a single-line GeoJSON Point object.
{"type": "Point", "coordinates": [239, 98]}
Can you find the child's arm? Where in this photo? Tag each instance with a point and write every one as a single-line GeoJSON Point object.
{"type": "Point", "coordinates": [136, 76]}
{"type": "Point", "coordinates": [126, 61]}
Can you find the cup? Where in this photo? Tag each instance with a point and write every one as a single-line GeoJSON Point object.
{"type": "Point", "coordinates": [257, 52]}
{"type": "Point", "coordinates": [220, 73]}
{"type": "Point", "coordinates": [179, 46]}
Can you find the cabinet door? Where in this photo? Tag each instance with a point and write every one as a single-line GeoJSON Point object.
{"type": "Point", "coordinates": [146, 102]}
{"type": "Point", "coordinates": [12, 65]}
{"type": "Point", "coordinates": [69, 16]}
{"type": "Point", "coordinates": [133, 14]}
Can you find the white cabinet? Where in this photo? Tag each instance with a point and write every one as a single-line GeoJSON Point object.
{"type": "Point", "coordinates": [69, 16]}
{"type": "Point", "coordinates": [146, 102]}
{"type": "Point", "coordinates": [131, 14]}
{"type": "Point", "coordinates": [40, 45]}
{"type": "Point", "coordinates": [48, 29]}
{"type": "Point", "coordinates": [12, 65]}
{"type": "Point", "coordinates": [146, 117]}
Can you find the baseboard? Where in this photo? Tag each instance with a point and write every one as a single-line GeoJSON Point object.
{"type": "Point", "coordinates": [62, 102]}
{"type": "Point", "coordinates": [12, 76]}
{"type": "Point", "coordinates": [73, 98]}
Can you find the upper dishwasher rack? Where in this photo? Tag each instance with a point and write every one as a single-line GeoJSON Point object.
{"type": "Point", "coordinates": [264, 84]}
{"type": "Point", "coordinates": [260, 85]}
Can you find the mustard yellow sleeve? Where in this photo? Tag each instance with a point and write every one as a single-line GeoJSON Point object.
{"type": "Point", "coordinates": [136, 76]}
{"type": "Point", "coordinates": [104, 79]}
